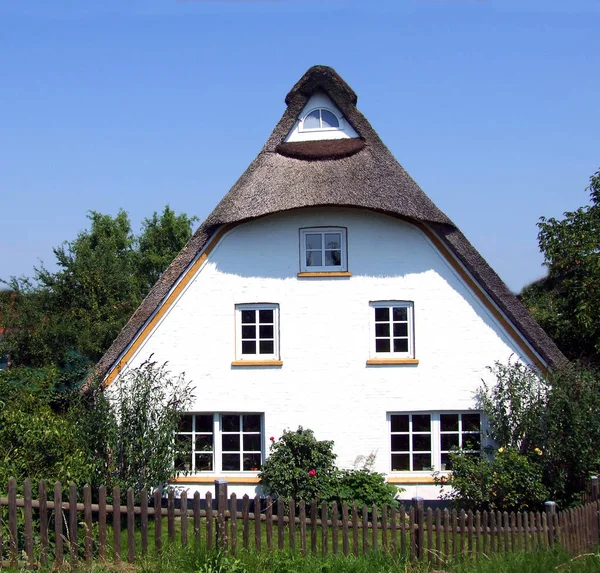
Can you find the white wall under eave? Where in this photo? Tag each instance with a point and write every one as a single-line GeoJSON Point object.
{"type": "Point", "coordinates": [324, 383]}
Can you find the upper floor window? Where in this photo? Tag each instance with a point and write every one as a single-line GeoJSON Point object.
{"type": "Point", "coordinates": [392, 329]}
{"type": "Point", "coordinates": [323, 249]}
{"type": "Point", "coordinates": [320, 119]}
{"type": "Point", "coordinates": [257, 331]}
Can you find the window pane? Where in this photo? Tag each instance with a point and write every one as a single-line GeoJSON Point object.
{"type": "Point", "coordinates": [266, 331]}
{"type": "Point", "coordinates": [231, 462]}
{"type": "Point", "coordinates": [400, 329]}
{"type": "Point", "coordinates": [314, 259]}
{"type": "Point", "coordinates": [421, 422]}
{"type": "Point", "coordinates": [312, 120]}
{"type": "Point", "coordinates": [251, 423]}
{"type": "Point", "coordinates": [204, 443]}
{"type": "Point", "coordinates": [421, 462]}
{"type": "Point", "coordinates": [266, 316]}
{"type": "Point", "coordinates": [400, 344]}
{"type": "Point", "coordinates": [231, 442]}
{"type": "Point", "coordinates": [204, 423]}
{"type": "Point", "coordinates": [382, 314]}
{"type": "Point", "coordinates": [314, 241]}
{"type": "Point", "coordinates": [231, 423]}
{"type": "Point", "coordinates": [421, 442]}
{"type": "Point", "coordinates": [183, 445]}
{"type": "Point", "coordinates": [248, 316]}
{"type": "Point", "coordinates": [449, 441]}
{"type": "Point", "coordinates": [267, 347]}
{"type": "Point", "coordinates": [400, 463]}
{"type": "Point", "coordinates": [333, 258]}
{"type": "Point", "coordinates": [329, 119]}
{"type": "Point", "coordinates": [251, 462]}
{"type": "Point", "coordinates": [471, 422]}
{"type": "Point", "coordinates": [446, 462]}
{"type": "Point", "coordinates": [249, 331]}
{"type": "Point", "coordinates": [251, 443]}
{"type": "Point", "coordinates": [471, 442]}
{"type": "Point", "coordinates": [182, 462]}
{"type": "Point", "coordinates": [400, 313]}
{"type": "Point", "coordinates": [382, 329]}
{"type": "Point", "coordinates": [449, 422]}
{"type": "Point", "coordinates": [204, 462]}
{"type": "Point", "coordinates": [400, 443]}
{"type": "Point", "coordinates": [382, 345]}
{"type": "Point", "coordinates": [248, 347]}
{"type": "Point", "coordinates": [399, 423]}
{"type": "Point", "coordinates": [185, 424]}
{"type": "Point", "coordinates": [333, 241]}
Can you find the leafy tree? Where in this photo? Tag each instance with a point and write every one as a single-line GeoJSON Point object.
{"type": "Point", "coordinates": [102, 277]}
{"type": "Point", "coordinates": [567, 302]}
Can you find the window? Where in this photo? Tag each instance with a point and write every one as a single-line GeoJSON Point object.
{"type": "Point", "coordinates": [423, 441]}
{"type": "Point", "coordinates": [257, 331]}
{"type": "Point", "coordinates": [320, 119]}
{"type": "Point", "coordinates": [219, 443]}
{"type": "Point", "coordinates": [323, 249]}
{"type": "Point", "coordinates": [392, 329]}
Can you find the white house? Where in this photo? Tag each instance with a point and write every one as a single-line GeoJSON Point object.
{"type": "Point", "coordinates": [327, 290]}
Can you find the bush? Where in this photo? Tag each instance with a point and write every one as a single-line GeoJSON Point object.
{"type": "Point", "coordinates": [364, 487]}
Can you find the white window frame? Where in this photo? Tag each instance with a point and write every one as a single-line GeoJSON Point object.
{"type": "Point", "coordinates": [410, 312]}
{"type": "Point", "coordinates": [342, 267]}
{"type": "Point", "coordinates": [319, 108]}
{"type": "Point", "coordinates": [239, 308]}
{"type": "Point", "coordinates": [217, 446]}
{"type": "Point", "coordinates": [436, 434]}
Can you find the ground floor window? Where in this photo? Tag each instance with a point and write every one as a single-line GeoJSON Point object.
{"type": "Point", "coordinates": [423, 441]}
{"type": "Point", "coordinates": [218, 443]}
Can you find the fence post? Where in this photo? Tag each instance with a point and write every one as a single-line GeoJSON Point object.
{"type": "Point", "coordinates": [418, 504]}
{"type": "Point", "coordinates": [221, 495]}
{"type": "Point", "coordinates": [550, 507]}
{"type": "Point", "coordinates": [595, 492]}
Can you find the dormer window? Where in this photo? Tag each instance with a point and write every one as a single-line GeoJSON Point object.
{"type": "Point", "coordinates": [323, 249]}
{"type": "Point", "coordinates": [321, 119]}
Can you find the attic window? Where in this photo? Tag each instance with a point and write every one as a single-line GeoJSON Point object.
{"type": "Point", "coordinates": [320, 119]}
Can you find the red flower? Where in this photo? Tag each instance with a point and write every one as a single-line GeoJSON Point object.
{"type": "Point", "coordinates": [312, 473]}
{"type": "Point", "coordinates": [272, 438]}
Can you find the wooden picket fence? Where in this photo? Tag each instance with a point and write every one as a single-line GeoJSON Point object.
{"type": "Point", "coordinates": [67, 529]}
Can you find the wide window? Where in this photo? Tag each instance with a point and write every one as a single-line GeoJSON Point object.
{"type": "Point", "coordinates": [320, 119]}
{"type": "Point", "coordinates": [423, 441]}
{"type": "Point", "coordinates": [257, 331]}
{"type": "Point", "coordinates": [392, 329]}
{"type": "Point", "coordinates": [323, 249]}
{"type": "Point", "coordinates": [219, 443]}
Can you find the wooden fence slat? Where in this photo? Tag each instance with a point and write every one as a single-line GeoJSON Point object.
{"type": "Point", "coordinates": [478, 533]}
{"type": "Point", "coordinates": [492, 538]}
{"type": "Point", "coordinates": [101, 522]}
{"type": "Point", "coordinates": [374, 530]}
{"type": "Point", "coordinates": [116, 524]}
{"type": "Point", "coordinates": [540, 532]}
{"type": "Point", "coordinates": [527, 539]}
{"type": "Point", "coordinates": [27, 510]}
{"type": "Point", "coordinates": [484, 526]}
{"type": "Point", "coordinates": [420, 518]}
{"type": "Point", "coordinates": [130, 526]}
{"type": "Point", "coordinates": [463, 532]}
{"type": "Point", "coordinates": [210, 522]}
{"type": "Point", "coordinates": [246, 521]}
{"type": "Point", "coordinates": [183, 510]}
{"type": "Point", "coordinates": [313, 527]}
{"type": "Point", "coordinates": [430, 554]}
{"type": "Point", "coordinates": [171, 516]}
{"type": "Point", "coordinates": [545, 533]}
{"type": "Point", "coordinates": [233, 523]}
{"type": "Point", "coordinates": [292, 515]}
{"type": "Point", "coordinates": [438, 537]}
{"type": "Point", "coordinates": [197, 511]}
{"type": "Point", "coordinates": [58, 524]}
{"type": "Point", "coordinates": [455, 546]}
{"type": "Point", "coordinates": [280, 524]}
{"type": "Point", "coordinates": [257, 530]}
{"type": "Point", "coordinates": [73, 545]}
{"type": "Point", "coordinates": [324, 530]}
{"type": "Point", "coordinates": [334, 528]}
{"type": "Point", "coordinates": [144, 520]}
{"type": "Point", "coordinates": [43, 524]}
{"type": "Point", "coordinates": [411, 533]}
{"type": "Point", "coordinates": [499, 532]}
{"type": "Point", "coordinates": [157, 522]}
{"type": "Point", "coordinates": [302, 510]}
{"type": "Point", "coordinates": [394, 530]}
{"type": "Point", "coordinates": [447, 551]}
{"type": "Point", "coordinates": [470, 532]}
{"type": "Point", "coordinates": [87, 519]}
{"type": "Point", "coordinates": [222, 541]}
{"type": "Point", "coordinates": [365, 529]}
{"type": "Point", "coordinates": [384, 527]}
{"type": "Point", "coordinates": [506, 532]}
{"type": "Point", "coordinates": [519, 531]}
{"type": "Point", "coordinates": [403, 530]}
{"type": "Point", "coordinates": [355, 529]}
{"type": "Point", "coordinates": [269, 516]}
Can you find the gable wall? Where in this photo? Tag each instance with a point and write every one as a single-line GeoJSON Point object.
{"type": "Point", "coordinates": [324, 383]}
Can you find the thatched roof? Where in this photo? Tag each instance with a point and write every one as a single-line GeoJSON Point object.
{"type": "Point", "coordinates": [349, 172]}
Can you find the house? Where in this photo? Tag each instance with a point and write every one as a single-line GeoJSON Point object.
{"type": "Point", "coordinates": [327, 290]}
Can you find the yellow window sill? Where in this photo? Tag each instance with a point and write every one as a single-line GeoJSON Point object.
{"type": "Point", "coordinates": [198, 479]}
{"type": "Point", "coordinates": [412, 480]}
{"type": "Point", "coordinates": [390, 361]}
{"type": "Point", "coordinates": [257, 363]}
{"type": "Point", "coordinates": [331, 274]}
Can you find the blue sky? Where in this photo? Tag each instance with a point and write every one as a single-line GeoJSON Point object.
{"type": "Point", "coordinates": [491, 105]}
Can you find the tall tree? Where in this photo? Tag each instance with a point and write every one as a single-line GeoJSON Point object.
{"type": "Point", "coordinates": [567, 302]}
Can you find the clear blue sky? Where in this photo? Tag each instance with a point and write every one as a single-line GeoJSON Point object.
{"type": "Point", "coordinates": [491, 105]}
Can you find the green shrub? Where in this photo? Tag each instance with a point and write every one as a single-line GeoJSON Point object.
{"type": "Point", "coordinates": [364, 487]}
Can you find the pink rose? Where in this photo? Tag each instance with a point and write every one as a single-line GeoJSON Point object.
{"type": "Point", "coordinates": [272, 438]}
{"type": "Point", "coordinates": [312, 473]}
